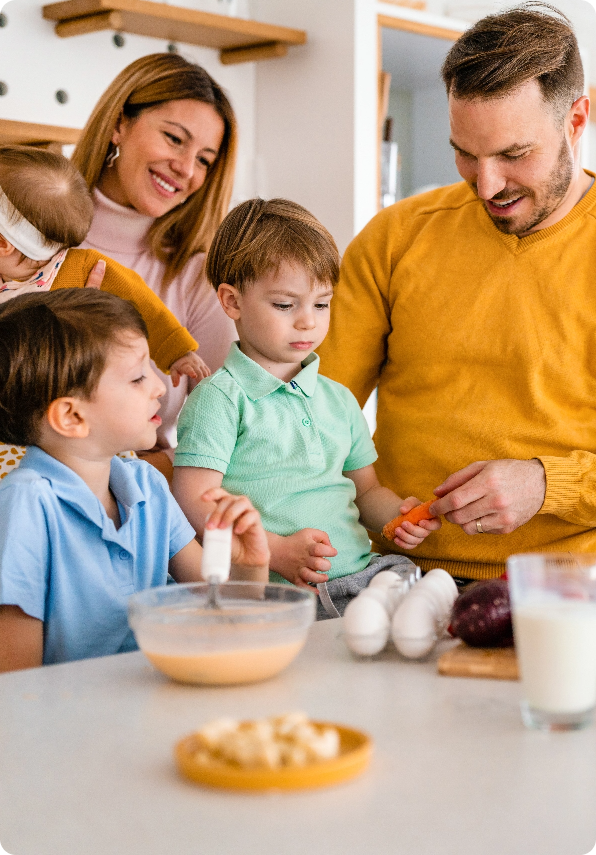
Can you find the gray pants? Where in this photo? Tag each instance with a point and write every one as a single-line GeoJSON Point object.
{"type": "Point", "coordinates": [335, 595]}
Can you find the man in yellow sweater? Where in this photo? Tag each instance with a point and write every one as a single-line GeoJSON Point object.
{"type": "Point", "coordinates": [472, 308]}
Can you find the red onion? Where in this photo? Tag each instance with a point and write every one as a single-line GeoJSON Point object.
{"type": "Point", "coordinates": [481, 615]}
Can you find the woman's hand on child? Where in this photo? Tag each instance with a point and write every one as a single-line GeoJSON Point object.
{"type": "Point", "coordinates": [95, 278]}
{"type": "Point", "coordinates": [410, 535]}
{"type": "Point", "coordinates": [250, 548]}
{"type": "Point", "coordinates": [301, 558]}
{"type": "Point", "coordinates": [191, 365]}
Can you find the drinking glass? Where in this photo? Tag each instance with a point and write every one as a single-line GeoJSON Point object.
{"type": "Point", "coordinates": [553, 599]}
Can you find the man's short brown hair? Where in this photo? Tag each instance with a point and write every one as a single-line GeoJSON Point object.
{"type": "Point", "coordinates": [53, 345]}
{"type": "Point", "coordinates": [257, 236]}
{"type": "Point", "coordinates": [48, 191]}
{"type": "Point", "coordinates": [501, 52]}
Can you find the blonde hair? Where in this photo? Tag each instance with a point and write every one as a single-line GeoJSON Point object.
{"type": "Point", "coordinates": [257, 236]}
{"type": "Point", "coordinates": [148, 82]}
{"type": "Point", "coordinates": [48, 192]}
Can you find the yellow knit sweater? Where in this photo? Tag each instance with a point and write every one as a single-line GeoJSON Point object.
{"type": "Point", "coordinates": [168, 339]}
{"type": "Point", "coordinates": [483, 346]}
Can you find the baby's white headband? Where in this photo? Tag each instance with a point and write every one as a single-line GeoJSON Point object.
{"type": "Point", "coordinates": [22, 235]}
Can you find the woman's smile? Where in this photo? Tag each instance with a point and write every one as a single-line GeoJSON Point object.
{"type": "Point", "coordinates": [165, 156]}
{"type": "Point", "coordinates": [164, 184]}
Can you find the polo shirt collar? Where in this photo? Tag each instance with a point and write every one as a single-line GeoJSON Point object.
{"type": "Point", "coordinates": [72, 490]}
{"type": "Point", "coordinates": [307, 378]}
{"type": "Point", "coordinates": [258, 383]}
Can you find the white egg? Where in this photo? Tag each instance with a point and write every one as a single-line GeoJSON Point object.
{"type": "Point", "coordinates": [366, 625]}
{"type": "Point", "coordinates": [392, 585]}
{"type": "Point", "coordinates": [442, 602]}
{"type": "Point", "coordinates": [433, 598]}
{"type": "Point", "coordinates": [415, 648]}
{"type": "Point", "coordinates": [413, 628]}
{"type": "Point", "coordinates": [381, 595]}
{"type": "Point", "coordinates": [384, 579]}
{"type": "Point", "coordinates": [441, 577]}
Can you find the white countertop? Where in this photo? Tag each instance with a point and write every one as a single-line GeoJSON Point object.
{"type": "Point", "coordinates": [86, 764]}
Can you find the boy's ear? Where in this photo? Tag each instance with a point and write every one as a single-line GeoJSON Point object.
{"type": "Point", "coordinates": [230, 300]}
{"type": "Point", "coordinates": [6, 248]}
{"type": "Point", "coordinates": [65, 417]}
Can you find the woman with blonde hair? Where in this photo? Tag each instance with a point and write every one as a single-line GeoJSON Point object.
{"type": "Point", "coordinates": [158, 153]}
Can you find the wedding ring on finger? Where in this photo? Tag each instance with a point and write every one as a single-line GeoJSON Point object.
{"type": "Point", "coordinates": [479, 528]}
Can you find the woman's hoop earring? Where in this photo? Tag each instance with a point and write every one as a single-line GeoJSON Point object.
{"type": "Point", "coordinates": [111, 158]}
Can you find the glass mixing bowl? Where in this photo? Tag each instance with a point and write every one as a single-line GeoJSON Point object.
{"type": "Point", "coordinates": [254, 633]}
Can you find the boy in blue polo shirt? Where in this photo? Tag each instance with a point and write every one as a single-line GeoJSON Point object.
{"type": "Point", "coordinates": [81, 529]}
{"type": "Point", "coordinates": [266, 424]}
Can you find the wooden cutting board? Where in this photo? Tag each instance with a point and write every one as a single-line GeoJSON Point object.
{"type": "Point", "coordinates": [496, 663]}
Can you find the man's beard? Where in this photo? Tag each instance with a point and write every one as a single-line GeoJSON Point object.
{"type": "Point", "coordinates": [548, 197]}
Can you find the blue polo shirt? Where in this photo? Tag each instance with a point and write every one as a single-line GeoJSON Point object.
{"type": "Point", "coordinates": [62, 560]}
{"type": "Point", "coordinates": [286, 446]}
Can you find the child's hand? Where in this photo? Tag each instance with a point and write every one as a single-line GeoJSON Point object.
{"type": "Point", "coordinates": [250, 549]}
{"type": "Point", "coordinates": [190, 364]}
{"type": "Point", "coordinates": [301, 558]}
{"type": "Point", "coordinates": [409, 535]}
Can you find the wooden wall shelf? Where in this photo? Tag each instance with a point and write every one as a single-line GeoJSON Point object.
{"type": "Point", "coordinates": [237, 40]}
{"type": "Point", "coordinates": [419, 28]}
{"type": "Point", "coordinates": [29, 133]}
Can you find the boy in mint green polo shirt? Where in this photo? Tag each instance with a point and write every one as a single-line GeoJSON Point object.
{"type": "Point", "coordinates": [267, 425]}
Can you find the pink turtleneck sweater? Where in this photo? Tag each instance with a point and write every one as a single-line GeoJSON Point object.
{"type": "Point", "coordinates": [121, 233]}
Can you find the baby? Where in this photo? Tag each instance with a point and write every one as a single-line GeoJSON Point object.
{"type": "Point", "coordinates": [268, 425]}
{"type": "Point", "coordinates": [46, 208]}
{"type": "Point", "coordinates": [80, 528]}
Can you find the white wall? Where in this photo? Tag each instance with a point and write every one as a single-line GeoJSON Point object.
{"type": "Point", "coordinates": [366, 83]}
{"type": "Point", "coordinates": [35, 63]}
{"type": "Point", "coordinates": [306, 114]}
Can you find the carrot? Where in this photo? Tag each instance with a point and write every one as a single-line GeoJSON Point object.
{"type": "Point", "coordinates": [420, 512]}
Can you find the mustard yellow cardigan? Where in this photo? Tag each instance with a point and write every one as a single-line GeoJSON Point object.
{"type": "Point", "coordinates": [168, 339]}
{"type": "Point", "coordinates": [483, 346]}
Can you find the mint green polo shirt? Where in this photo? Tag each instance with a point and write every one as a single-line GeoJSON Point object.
{"type": "Point", "coordinates": [285, 446]}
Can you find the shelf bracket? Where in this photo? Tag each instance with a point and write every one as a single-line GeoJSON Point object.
{"type": "Point", "coordinates": [269, 50]}
{"type": "Point", "coordinates": [89, 24]}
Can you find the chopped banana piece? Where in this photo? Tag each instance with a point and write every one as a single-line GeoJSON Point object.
{"type": "Point", "coordinates": [271, 743]}
{"type": "Point", "coordinates": [285, 724]}
{"type": "Point", "coordinates": [210, 736]}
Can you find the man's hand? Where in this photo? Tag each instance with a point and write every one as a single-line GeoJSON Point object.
{"type": "Point", "coordinates": [301, 558]}
{"type": "Point", "coordinates": [190, 364]}
{"type": "Point", "coordinates": [500, 494]}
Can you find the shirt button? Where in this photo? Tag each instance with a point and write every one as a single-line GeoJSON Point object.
{"type": "Point", "coordinates": [123, 554]}
{"type": "Point", "coordinates": [306, 422]}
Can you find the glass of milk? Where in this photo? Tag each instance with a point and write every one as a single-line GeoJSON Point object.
{"type": "Point", "coordinates": [553, 599]}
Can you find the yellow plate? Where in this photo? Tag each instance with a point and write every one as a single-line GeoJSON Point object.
{"type": "Point", "coordinates": [355, 751]}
